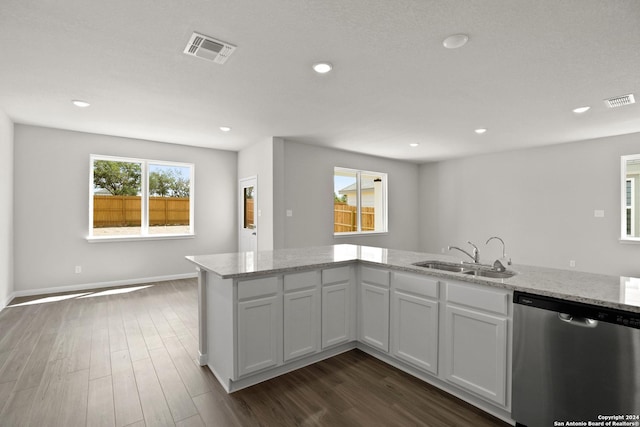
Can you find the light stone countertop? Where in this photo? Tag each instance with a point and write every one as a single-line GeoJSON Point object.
{"type": "Point", "coordinates": [607, 291]}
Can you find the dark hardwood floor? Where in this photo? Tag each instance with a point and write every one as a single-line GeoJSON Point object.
{"type": "Point", "coordinates": [129, 359]}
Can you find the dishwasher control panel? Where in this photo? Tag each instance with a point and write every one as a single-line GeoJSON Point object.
{"type": "Point", "coordinates": [576, 309]}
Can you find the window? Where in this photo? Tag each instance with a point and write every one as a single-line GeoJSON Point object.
{"type": "Point", "coordinates": [247, 207]}
{"type": "Point", "coordinates": [629, 203]}
{"type": "Point", "coordinates": [359, 201]}
{"type": "Point", "coordinates": [630, 206]}
{"type": "Point", "coordinates": [135, 198]}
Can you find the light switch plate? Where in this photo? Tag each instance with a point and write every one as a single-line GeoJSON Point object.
{"type": "Point", "coordinates": [598, 213]}
{"type": "Point", "coordinates": [289, 212]}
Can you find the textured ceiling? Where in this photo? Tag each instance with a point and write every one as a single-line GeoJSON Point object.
{"type": "Point", "coordinates": [526, 66]}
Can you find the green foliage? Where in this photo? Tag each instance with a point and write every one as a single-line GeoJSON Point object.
{"type": "Point", "coordinates": [125, 179]}
{"type": "Point", "coordinates": [118, 178]}
{"type": "Point", "coordinates": [339, 199]}
{"type": "Point", "coordinates": [248, 193]}
{"type": "Point", "coordinates": [168, 183]}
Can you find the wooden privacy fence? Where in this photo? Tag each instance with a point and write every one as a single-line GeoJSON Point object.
{"type": "Point", "coordinates": [345, 218]}
{"type": "Point", "coordinates": [248, 213]}
{"type": "Point", "coordinates": [124, 211]}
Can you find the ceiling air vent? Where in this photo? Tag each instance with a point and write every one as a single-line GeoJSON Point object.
{"type": "Point", "coordinates": [208, 48]}
{"type": "Point", "coordinates": [619, 101]}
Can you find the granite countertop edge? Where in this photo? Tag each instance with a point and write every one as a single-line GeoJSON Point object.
{"type": "Point", "coordinates": [588, 288]}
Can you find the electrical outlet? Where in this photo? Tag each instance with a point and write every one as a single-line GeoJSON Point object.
{"type": "Point", "coordinates": [289, 212]}
{"type": "Point", "coordinates": [572, 263]}
{"type": "Point", "coordinates": [78, 269]}
{"type": "Point", "coordinates": [598, 213]}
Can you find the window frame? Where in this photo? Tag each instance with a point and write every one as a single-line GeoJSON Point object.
{"type": "Point", "coordinates": [626, 163]}
{"type": "Point", "coordinates": [630, 189]}
{"type": "Point", "coordinates": [385, 204]}
{"type": "Point", "coordinates": [144, 200]}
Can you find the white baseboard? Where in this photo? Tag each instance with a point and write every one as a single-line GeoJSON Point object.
{"type": "Point", "coordinates": [10, 297]}
{"type": "Point", "coordinates": [110, 284]}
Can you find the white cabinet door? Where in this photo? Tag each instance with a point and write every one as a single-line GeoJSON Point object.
{"type": "Point", "coordinates": [414, 330]}
{"type": "Point", "coordinates": [259, 329]}
{"type": "Point", "coordinates": [301, 323]}
{"type": "Point", "coordinates": [476, 352]}
{"type": "Point", "coordinates": [374, 318]}
{"type": "Point", "coordinates": [336, 312]}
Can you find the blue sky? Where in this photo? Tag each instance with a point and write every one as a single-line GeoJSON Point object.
{"type": "Point", "coordinates": [339, 182]}
{"type": "Point", "coordinates": [182, 171]}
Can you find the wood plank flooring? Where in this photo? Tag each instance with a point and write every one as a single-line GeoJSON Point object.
{"type": "Point", "coordinates": [129, 359]}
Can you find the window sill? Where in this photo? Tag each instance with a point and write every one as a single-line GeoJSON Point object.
{"type": "Point", "coordinates": [103, 239]}
{"type": "Point", "coordinates": [355, 233]}
{"type": "Point", "coordinates": [630, 241]}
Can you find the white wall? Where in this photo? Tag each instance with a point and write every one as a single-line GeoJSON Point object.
{"type": "Point", "coordinates": [540, 201]}
{"type": "Point", "coordinates": [257, 160]}
{"type": "Point", "coordinates": [308, 192]}
{"type": "Point", "coordinates": [6, 209]}
{"type": "Point", "coordinates": [264, 160]}
{"type": "Point", "coordinates": [279, 168]}
{"type": "Point", "coordinates": [51, 211]}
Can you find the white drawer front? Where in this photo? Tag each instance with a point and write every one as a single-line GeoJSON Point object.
{"type": "Point", "coordinates": [335, 275]}
{"type": "Point", "coordinates": [415, 284]}
{"type": "Point", "coordinates": [257, 287]}
{"type": "Point", "coordinates": [493, 300]}
{"type": "Point", "coordinates": [297, 281]}
{"type": "Point", "coordinates": [375, 276]}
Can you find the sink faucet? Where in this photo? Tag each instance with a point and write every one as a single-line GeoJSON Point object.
{"type": "Point", "coordinates": [499, 264]}
{"type": "Point", "coordinates": [476, 253]}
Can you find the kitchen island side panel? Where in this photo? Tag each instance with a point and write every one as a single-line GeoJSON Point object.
{"type": "Point", "coordinates": [220, 325]}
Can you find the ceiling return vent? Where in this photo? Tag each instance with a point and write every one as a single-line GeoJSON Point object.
{"type": "Point", "coordinates": [619, 101]}
{"type": "Point", "coordinates": [208, 48]}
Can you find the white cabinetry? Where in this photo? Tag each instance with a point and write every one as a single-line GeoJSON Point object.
{"type": "Point", "coordinates": [451, 333]}
{"type": "Point", "coordinates": [476, 339]}
{"type": "Point", "coordinates": [338, 312]}
{"type": "Point", "coordinates": [374, 308]}
{"type": "Point", "coordinates": [301, 314]}
{"type": "Point", "coordinates": [414, 320]}
{"type": "Point", "coordinates": [259, 325]}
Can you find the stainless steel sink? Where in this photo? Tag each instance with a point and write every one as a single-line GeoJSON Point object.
{"type": "Point", "coordinates": [493, 274]}
{"type": "Point", "coordinates": [466, 268]}
{"type": "Point", "coordinates": [441, 265]}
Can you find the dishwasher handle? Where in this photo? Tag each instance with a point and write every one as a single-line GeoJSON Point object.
{"type": "Point", "coordinates": [583, 322]}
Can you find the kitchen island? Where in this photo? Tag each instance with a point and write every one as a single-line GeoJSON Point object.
{"type": "Point", "coordinates": [266, 313]}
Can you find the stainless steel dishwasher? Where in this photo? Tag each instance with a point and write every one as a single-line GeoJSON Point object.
{"type": "Point", "coordinates": [574, 363]}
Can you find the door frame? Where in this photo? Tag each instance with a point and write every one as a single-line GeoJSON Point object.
{"type": "Point", "coordinates": [241, 187]}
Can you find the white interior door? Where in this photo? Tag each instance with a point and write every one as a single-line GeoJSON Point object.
{"type": "Point", "coordinates": [248, 221]}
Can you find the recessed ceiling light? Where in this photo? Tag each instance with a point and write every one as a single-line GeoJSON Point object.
{"type": "Point", "coordinates": [455, 41]}
{"type": "Point", "coordinates": [225, 128]}
{"type": "Point", "coordinates": [581, 110]}
{"type": "Point", "coordinates": [413, 145]}
{"type": "Point", "coordinates": [80, 103]}
{"type": "Point", "coordinates": [322, 67]}
{"type": "Point", "coordinates": [480, 131]}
